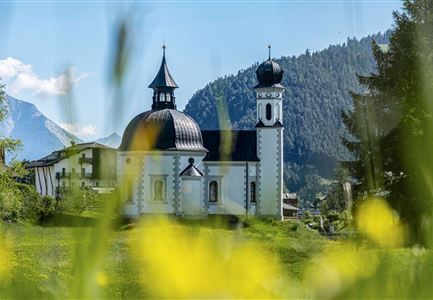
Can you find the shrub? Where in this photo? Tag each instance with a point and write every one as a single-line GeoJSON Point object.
{"type": "Point", "coordinates": [11, 200]}
{"type": "Point", "coordinates": [47, 207]}
{"type": "Point", "coordinates": [77, 201]}
{"type": "Point", "coordinates": [31, 200]}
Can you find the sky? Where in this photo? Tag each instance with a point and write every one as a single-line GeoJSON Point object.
{"type": "Point", "coordinates": [59, 55]}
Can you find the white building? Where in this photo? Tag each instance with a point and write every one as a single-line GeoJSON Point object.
{"type": "Point", "coordinates": [166, 164]}
{"type": "Point", "coordinates": [88, 165]}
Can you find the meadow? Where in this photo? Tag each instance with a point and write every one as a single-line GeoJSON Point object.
{"type": "Point", "coordinates": [44, 257]}
{"type": "Point", "coordinates": [160, 257]}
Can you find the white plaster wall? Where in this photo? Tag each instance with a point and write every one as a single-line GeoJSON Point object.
{"type": "Point", "coordinates": [270, 182]}
{"type": "Point", "coordinates": [45, 181]}
{"type": "Point", "coordinates": [191, 196]}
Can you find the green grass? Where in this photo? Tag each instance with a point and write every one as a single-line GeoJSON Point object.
{"type": "Point", "coordinates": [44, 257]}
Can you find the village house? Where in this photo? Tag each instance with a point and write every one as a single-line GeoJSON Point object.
{"type": "Point", "coordinates": [87, 165]}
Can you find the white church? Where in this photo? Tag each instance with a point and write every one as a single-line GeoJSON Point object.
{"type": "Point", "coordinates": [167, 165]}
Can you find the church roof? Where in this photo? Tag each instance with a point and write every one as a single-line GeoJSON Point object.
{"type": "Point", "coordinates": [165, 129]}
{"type": "Point", "coordinates": [191, 170]}
{"type": "Point", "coordinates": [163, 78]}
{"type": "Point", "coordinates": [243, 145]}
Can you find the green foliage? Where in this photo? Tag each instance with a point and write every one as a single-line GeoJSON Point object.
{"type": "Point", "coordinates": [317, 89]}
{"type": "Point", "coordinates": [11, 200]}
{"type": "Point", "coordinates": [47, 207]}
{"type": "Point", "coordinates": [31, 200]}
{"type": "Point", "coordinates": [392, 125]}
{"type": "Point", "coordinates": [77, 201]}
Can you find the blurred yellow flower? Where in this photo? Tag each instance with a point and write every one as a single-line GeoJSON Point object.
{"type": "Point", "coordinates": [101, 279]}
{"type": "Point", "coordinates": [182, 262]}
{"type": "Point", "coordinates": [379, 222]}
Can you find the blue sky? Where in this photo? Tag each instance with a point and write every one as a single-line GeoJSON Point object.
{"type": "Point", "coordinates": [205, 40]}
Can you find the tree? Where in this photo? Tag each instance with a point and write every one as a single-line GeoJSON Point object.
{"type": "Point", "coordinates": [391, 125]}
{"type": "Point", "coordinates": [11, 198]}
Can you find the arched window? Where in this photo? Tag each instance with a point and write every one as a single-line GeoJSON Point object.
{"type": "Point", "coordinates": [253, 192]}
{"type": "Point", "coordinates": [158, 190]}
{"type": "Point", "coordinates": [268, 111]}
{"type": "Point", "coordinates": [162, 97]}
{"type": "Point", "coordinates": [213, 191]}
{"type": "Point", "coordinates": [167, 98]}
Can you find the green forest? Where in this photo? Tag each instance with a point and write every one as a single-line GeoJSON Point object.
{"type": "Point", "coordinates": [318, 88]}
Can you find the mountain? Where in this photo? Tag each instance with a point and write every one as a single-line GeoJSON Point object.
{"type": "Point", "coordinates": [112, 140]}
{"type": "Point", "coordinates": [318, 88]}
{"type": "Point", "coordinates": [40, 136]}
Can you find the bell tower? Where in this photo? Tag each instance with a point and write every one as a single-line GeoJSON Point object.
{"type": "Point", "coordinates": [269, 98]}
{"type": "Point", "coordinates": [163, 87]}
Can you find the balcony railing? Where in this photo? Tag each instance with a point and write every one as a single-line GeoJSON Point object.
{"type": "Point", "coordinates": [85, 160]}
{"type": "Point", "coordinates": [60, 175]}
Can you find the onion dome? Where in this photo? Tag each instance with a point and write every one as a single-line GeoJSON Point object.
{"type": "Point", "coordinates": [269, 73]}
{"type": "Point", "coordinates": [164, 129]}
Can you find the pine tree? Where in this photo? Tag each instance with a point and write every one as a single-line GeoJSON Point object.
{"type": "Point", "coordinates": [391, 125]}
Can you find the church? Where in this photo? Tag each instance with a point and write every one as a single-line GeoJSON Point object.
{"type": "Point", "coordinates": [167, 165]}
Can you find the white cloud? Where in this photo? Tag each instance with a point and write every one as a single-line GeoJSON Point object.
{"type": "Point", "coordinates": [19, 76]}
{"type": "Point", "coordinates": [80, 130]}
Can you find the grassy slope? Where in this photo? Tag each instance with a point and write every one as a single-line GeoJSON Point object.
{"type": "Point", "coordinates": [44, 256]}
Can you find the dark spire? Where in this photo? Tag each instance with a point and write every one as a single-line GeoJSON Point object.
{"type": "Point", "coordinates": [163, 78]}
{"type": "Point", "coordinates": [269, 49]}
{"type": "Point", "coordinates": [163, 86]}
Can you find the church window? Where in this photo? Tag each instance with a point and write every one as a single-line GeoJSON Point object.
{"type": "Point", "coordinates": [158, 190]}
{"type": "Point", "coordinates": [253, 192]}
{"type": "Point", "coordinates": [167, 98]}
{"type": "Point", "coordinates": [268, 111]}
{"type": "Point", "coordinates": [213, 191]}
{"type": "Point", "coordinates": [162, 97]}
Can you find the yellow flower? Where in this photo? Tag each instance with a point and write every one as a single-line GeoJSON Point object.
{"type": "Point", "coordinates": [380, 223]}
{"type": "Point", "coordinates": [185, 262]}
{"type": "Point", "coordinates": [101, 279]}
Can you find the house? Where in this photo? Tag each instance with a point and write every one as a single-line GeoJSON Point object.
{"type": "Point", "coordinates": [87, 165]}
{"type": "Point", "coordinates": [167, 164]}
{"type": "Point", "coordinates": [290, 204]}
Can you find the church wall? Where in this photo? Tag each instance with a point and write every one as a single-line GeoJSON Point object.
{"type": "Point", "coordinates": [231, 181]}
{"type": "Point", "coordinates": [143, 169]}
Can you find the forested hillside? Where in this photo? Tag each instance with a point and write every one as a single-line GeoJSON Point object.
{"type": "Point", "coordinates": [317, 90]}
